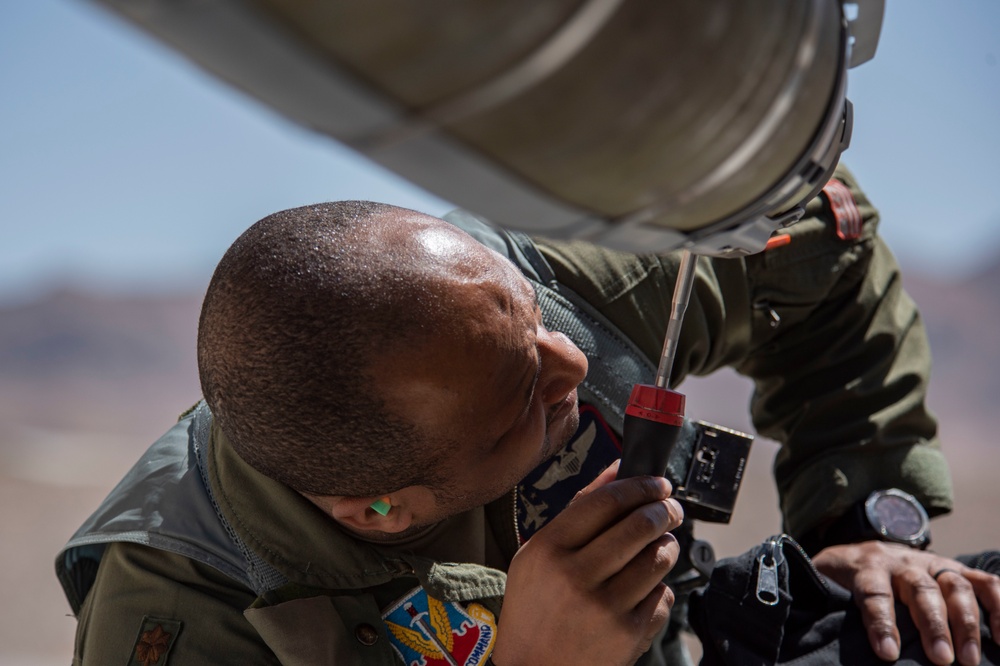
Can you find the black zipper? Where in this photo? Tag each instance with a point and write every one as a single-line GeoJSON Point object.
{"type": "Point", "coordinates": [771, 558]}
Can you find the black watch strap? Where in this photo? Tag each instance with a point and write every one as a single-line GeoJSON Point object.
{"type": "Point", "coordinates": [848, 528]}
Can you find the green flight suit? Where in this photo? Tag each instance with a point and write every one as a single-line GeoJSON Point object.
{"type": "Point", "coordinates": [822, 325]}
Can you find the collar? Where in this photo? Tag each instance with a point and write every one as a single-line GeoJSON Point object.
{"type": "Point", "coordinates": [295, 537]}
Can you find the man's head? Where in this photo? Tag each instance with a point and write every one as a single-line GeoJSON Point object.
{"type": "Point", "coordinates": [356, 350]}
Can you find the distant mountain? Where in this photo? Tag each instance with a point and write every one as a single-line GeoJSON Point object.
{"type": "Point", "coordinates": [73, 359]}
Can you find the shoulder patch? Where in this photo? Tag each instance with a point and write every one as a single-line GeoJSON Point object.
{"type": "Point", "coordinates": [152, 645]}
{"type": "Point", "coordinates": [844, 208]}
{"type": "Point", "coordinates": [427, 632]}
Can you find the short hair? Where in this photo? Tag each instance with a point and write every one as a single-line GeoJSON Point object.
{"type": "Point", "coordinates": [298, 309]}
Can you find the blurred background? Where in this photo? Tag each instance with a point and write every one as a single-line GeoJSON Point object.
{"type": "Point", "coordinates": [125, 173]}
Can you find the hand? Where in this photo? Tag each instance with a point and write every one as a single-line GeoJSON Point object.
{"type": "Point", "coordinates": [877, 573]}
{"type": "Point", "coordinates": [588, 587]}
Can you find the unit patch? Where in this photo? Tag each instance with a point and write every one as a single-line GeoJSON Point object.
{"type": "Point", "coordinates": [549, 487]}
{"type": "Point", "coordinates": [844, 208]}
{"type": "Point", "coordinates": [154, 641]}
{"type": "Point", "coordinates": [428, 632]}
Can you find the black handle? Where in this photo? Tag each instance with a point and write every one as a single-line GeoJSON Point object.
{"type": "Point", "coordinates": [646, 446]}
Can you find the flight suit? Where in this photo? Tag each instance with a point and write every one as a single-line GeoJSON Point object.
{"type": "Point", "coordinates": [840, 363]}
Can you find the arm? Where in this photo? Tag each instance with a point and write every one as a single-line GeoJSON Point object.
{"type": "Point", "coordinates": [842, 387]}
{"type": "Point", "coordinates": [840, 362]}
{"type": "Point", "coordinates": [841, 380]}
{"type": "Point", "coordinates": [202, 609]}
{"type": "Point", "coordinates": [835, 347]}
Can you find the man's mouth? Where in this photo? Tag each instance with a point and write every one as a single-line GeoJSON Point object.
{"type": "Point", "coordinates": [568, 403]}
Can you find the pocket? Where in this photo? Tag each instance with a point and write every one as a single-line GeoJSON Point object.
{"type": "Point", "coordinates": [767, 606]}
{"type": "Point", "coordinates": [771, 606]}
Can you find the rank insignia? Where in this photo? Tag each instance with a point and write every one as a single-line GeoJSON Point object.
{"type": "Point", "coordinates": [154, 641]}
{"type": "Point", "coordinates": [428, 632]}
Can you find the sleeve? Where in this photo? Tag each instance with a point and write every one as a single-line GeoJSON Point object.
{"type": "Point", "coordinates": [835, 347]}
{"type": "Point", "coordinates": [147, 605]}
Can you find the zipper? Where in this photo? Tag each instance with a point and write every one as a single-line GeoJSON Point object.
{"type": "Point", "coordinates": [803, 556]}
{"type": "Point", "coordinates": [774, 319]}
{"type": "Point", "coordinates": [773, 556]}
{"type": "Point", "coordinates": [517, 526]}
{"type": "Point", "coordinates": [767, 573]}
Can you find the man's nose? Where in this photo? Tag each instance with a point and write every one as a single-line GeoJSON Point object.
{"type": "Point", "coordinates": [563, 366]}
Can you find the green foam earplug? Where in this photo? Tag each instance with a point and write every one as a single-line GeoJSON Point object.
{"type": "Point", "coordinates": [381, 506]}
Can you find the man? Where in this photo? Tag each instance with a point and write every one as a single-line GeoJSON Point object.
{"type": "Point", "coordinates": [391, 425]}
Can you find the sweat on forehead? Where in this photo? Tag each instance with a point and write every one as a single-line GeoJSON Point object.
{"type": "Point", "coordinates": [435, 245]}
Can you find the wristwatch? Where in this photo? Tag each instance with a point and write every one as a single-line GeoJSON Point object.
{"type": "Point", "coordinates": [896, 516]}
{"type": "Point", "coordinates": [886, 515]}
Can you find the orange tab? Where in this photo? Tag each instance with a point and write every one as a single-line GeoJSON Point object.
{"type": "Point", "coordinates": [777, 240]}
{"type": "Point", "coordinates": [844, 208]}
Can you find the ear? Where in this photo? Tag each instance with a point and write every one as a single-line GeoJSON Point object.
{"type": "Point", "coordinates": [357, 514]}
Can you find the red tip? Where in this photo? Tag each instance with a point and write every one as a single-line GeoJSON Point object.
{"type": "Point", "coordinates": [656, 404]}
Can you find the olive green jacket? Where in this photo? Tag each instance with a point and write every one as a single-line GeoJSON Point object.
{"type": "Point", "coordinates": [840, 362]}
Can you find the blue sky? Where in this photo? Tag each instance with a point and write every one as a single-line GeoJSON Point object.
{"type": "Point", "coordinates": [123, 167]}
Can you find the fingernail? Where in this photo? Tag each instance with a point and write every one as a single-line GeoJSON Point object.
{"type": "Point", "coordinates": [888, 649]}
{"type": "Point", "coordinates": [941, 652]}
{"type": "Point", "coordinates": [970, 654]}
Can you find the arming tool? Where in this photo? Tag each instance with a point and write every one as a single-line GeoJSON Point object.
{"type": "Point", "coordinates": [703, 462]}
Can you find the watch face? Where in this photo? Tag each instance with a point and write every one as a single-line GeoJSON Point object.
{"type": "Point", "coordinates": [898, 516]}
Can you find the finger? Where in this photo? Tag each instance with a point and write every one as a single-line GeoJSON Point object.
{"type": "Point", "coordinates": [603, 479]}
{"type": "Point", "coordinates": [654, 611]}
{"type": "Point", "coordinates": [593, 513]}
{"type": "Point", "coordinates": [613, 550]}
{"type": "Point", "coordinates": [609, 474]}
{"type": "Point", "coordinates": [627, 589]}
{"type": "Point", "coordinates": [921, 594]}
{"type": "Point", "coordinates": [873, 593]}
{"type": "Point", "coordinates": [963, 615]}
{"type": "Point", "coordinates": [987, 588]}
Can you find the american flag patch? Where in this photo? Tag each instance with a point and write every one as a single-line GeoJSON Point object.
{"type": "Point", "coordinates": [844, 208]}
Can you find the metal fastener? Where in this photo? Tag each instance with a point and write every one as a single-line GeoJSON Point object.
{"type": "Point", "coordinates": [366, 634]}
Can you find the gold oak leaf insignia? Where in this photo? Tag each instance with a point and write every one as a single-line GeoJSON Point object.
{"type": "Point", "coordinates": [152, 644]}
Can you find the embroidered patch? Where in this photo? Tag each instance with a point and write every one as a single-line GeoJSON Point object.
{"type": "Point", "coordinates": [549, 488]}
{"type": "Point", "coordinates": [428, 632]}
{"type": "Point", "coordinates": [154, 641]}
{"type": "Point", "coordinates": [844, 208]}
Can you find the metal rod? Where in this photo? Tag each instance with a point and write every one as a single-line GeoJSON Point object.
{"type": "Point", "coordinates": [678, 306]}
